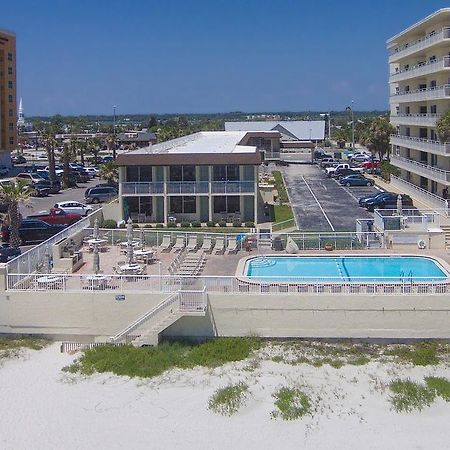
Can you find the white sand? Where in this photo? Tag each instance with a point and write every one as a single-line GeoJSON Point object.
{"type": "Point", "coordinates": [44, 408]}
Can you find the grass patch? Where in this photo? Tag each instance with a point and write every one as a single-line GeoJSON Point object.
{"type": "Point", "coordinates": [421, 354]}
{"type": "Point", "coordinates": [409, 396]}
{"type": "Point", "coordinates": [11, 347]}
{"type": "Point", "coordinates": [228, 400]}
{"type": "Point", "coordinates": [440, 386]}
{"type": "Point", "coordinates": [282, 213]}
{"type": "Point", "coordinates": [280, 187]}
{"type": "Point", "coordinates": [291, 404]}
{"type": "Point", "coordinates": [149, 362]}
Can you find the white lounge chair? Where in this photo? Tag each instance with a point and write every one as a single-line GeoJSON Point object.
{"type": "Point", "coordinates": [192, 245]}
{"type": "Point", "coordinates": [220, 246]}
{"type": "Point", "coordinates": [207, 245]}
{"type": "Point", "coordinates": [166, 244]}
{"type": "Point", "coordinates": [179, 244]}
{"type": "Point", "coordinates": [232, 246]}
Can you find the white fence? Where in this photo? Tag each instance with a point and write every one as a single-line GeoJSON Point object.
{"type": "Point", "coordinates": [232, 285]}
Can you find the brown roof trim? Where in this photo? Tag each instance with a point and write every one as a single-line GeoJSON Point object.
{"type": "Point", "coordinates": [196, 159]}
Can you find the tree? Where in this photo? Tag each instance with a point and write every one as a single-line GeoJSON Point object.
{"type": "Point", "coordinates": [13, 195]}
{"type": "Point", "coordinates": [50, 144]}
{"type": "Point", "coordinates": [109, 172]}
{"type": "Point", "coordinates": [152, 123]}
{"type": "Point", "coordinates": [443, 127]}
{"type": "Point", "coordinates": [67, 156]}
{"type": "Point", "coordinates": [378, 135]}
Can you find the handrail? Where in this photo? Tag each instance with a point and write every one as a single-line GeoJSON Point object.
{"type": "Point", "coordinates": [421, 165]}
{"type": "Point", "coordinates": [445, 60]}
{"type": "Point", "coordinates": [431, 37]}
{"type": "Point", "coordinates": [418, 139]}
{"type": "Point", "coordinates": [417, 91]}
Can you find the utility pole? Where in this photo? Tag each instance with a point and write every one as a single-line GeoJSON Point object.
{"type": "Point", "coordinates": [350, 109]}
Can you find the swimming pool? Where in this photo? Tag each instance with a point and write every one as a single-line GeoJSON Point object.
{"type": "Point", "coordinates": [344, 268]}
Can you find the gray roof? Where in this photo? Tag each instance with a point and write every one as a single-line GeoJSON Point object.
{"type": "Point", "coordinates": [293, 129]}
{"type": "Point", "coordinates": [136, 136]}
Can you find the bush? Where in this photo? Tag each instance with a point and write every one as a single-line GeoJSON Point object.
{"type": "Point", "coordinates": [440, 386]}
{"type": "Point", "coordinates": [135, 225]}
{"type": "Point", "coordinates": [409, 396]}
{"type": "Point", "coordinates": [250, 224]}
{"type": "Point", "coordinates": [109, 224]}
{"type": "Point", "coordinates": [172, 225]}
{"type": "Point", "coordinates": [237, 223]}
{"type": "Point", "coordinates": [228, 400]}
{"type": "Point", "coordinates": [210, 224]}
{"type": "Point", "coordinates": [159, 225]}
{"type": "Point", "coordinates": [422, 354]}
{"type": "Point", "coordinates": [148, 225]}
{"type": "Point", "coordinates": [196, 224]}
{"type": "Point", "coordinates": [185, 225]}
{"type": "Point", "coordinates": [222, 224]}
{"type": "Point", "coordinates": [291, 404]}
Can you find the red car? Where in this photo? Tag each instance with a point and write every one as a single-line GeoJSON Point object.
{"type": "Point", "coordinates": [371, 164]}
{"type": "Point", "coordinates": [57, 216]}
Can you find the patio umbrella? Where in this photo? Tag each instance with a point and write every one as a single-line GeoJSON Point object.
{"type": "Point", "coordinates": [96, 259]}
{"type": "Point", "coordinates": [399, 205]}
{"type": "Point", "coordinates": [96, 232]}
{"type": "Point", "coordinates": [142, 239]}
{"type": "Point", "coordinates": [48, 260]}
{"type": "Point", "coordinates": [130, 254]}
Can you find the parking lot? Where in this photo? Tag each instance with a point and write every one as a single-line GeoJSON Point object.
{"type": "Point", "coordinates": [320, 203]}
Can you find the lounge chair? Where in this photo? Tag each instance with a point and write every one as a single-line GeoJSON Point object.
{"type": "Point", "coordinates": [192, 245]}
{"type": "Point", "coordinates": [207, 245]}
{"type": "Point", "coordinates": [179, 244]}
{"type": "Point", "coordinates": [232, 246]}
{"type": "Point", "coordinates": [166, 244]}
{"type": "Point", "coordinates": [220, 246]}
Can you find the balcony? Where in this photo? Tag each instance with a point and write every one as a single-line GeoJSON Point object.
{"type": "Point", "coordinates": [419, 95]}
{"type": "Point", "coordinates": [420, 44]}
{"type": "Point", "coordinates": [418, 120]}
{"type": "Point", "coordinates": [421, 70]}
{"type": "Point", "coordinates": [233, 187]}
{"type": "Point", "coordinates": [424, 170]}
{"type": "Point", "coordinates": [425, 145]}
{"type": "Point", "coordinates": [187, 187]}
{"type": "Point", "coordinates": [142, 188]}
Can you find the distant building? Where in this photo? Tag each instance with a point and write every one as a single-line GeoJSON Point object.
{"type": "Point", "coordinates": [419, 64]}
{"type": "Point", "coordinates": [8, 102]}
{"type": "Point", "coordinates": [141, 138]}
{"type": "Point", "coordinates": [21, 117]}
{"type": "Point", "coordinates": [294, 133]}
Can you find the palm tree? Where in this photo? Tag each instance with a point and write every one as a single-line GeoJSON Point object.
{"type": "Point", "coordinates": [109, 172]}
{"type": "Point", "coordinates": [50, 144]}
{"type": "Point", "coordinates": [94, 147]}
{"type": "Point", "coordinates": [443, 127]}
{"type": "Point", "coordinates": [67, 156]}
{"type": "Point", "coordinates": [13, 195]}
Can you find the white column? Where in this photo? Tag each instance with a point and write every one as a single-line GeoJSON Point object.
{"type": "Point", "coordinates": [256, 195]}
{"type": "Point", "coordinates": [121, 180]}
{"type": "Point", "coordinates": [165, 198]}
{"type": "Point", "coordinates": [210, 198]}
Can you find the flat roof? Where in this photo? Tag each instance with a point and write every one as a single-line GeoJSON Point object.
{"type": "Point", "coordinates": [418, 24]}
{"type": "Point", "coordinates": [204, 147]}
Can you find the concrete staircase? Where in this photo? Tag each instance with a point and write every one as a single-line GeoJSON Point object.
{"type": "Point", "coordinates": [146, 329]}
{"type": "Point", "coordinates": [446, 229]}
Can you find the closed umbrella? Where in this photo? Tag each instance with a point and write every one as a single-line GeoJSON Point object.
{"type": "Point", "coordinates": [96, 231]}
{"type": "Point", "coordinates": [96, 259]}
{"type": "Point", "coordinates": [142, 239]}
{"type": "Point", "coordinates": [130, 253]}
{"type": "Point", "coordinates": [399, 205]}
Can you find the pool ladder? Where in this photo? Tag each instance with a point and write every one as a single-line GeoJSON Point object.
{"type": "Point", "coordinates": [402, 276]}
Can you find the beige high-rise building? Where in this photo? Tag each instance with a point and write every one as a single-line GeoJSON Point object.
{"type": "Point", "coordinates": [8, 103]}
{"type": "Point", "coordinates": [419, 62]}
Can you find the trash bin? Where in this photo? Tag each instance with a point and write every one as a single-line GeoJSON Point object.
{"type": "Point", "coordinates": [277, 243]}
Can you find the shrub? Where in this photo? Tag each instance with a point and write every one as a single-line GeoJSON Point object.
{"type": "Point", "coordinates": [222, 224]}
{"type": "Point", "coordinates": [237, 223]}
{"type": "Point", "coordinates": [135, 225]}
{"type": "Point", "coordinates": [228, 400]}
{"type": "Point", "coordinates": [210, 224]}
{"type": "Point", "coordinates": [409, 396]}
{"type": "Point", "coordinates": [250, 224]}
{"type": "Point", "coordinates": [109, 223]}
{"type": "Point", "coordinates": [172, 225]}
{"type": "Point", "coordinates": [148, 225]}
{"type": "Point", "coordinates": [159, 225]}
{"type": "Point", "coordinates": [291, 404]}
{"type": "Point", "coordinates": [440, 386]}
{"type": "Point", "coordinates": [422, 354]}
{"type": "Point", "coordinates": [185, 225]}
{"type": "Point", "coordinates": [196, 224]}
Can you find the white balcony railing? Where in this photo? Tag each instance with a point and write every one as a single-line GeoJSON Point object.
{"type": "Point", "coordinates": [142, 188]}
{"type": "Point", "coordinates": [418, 95]}
{"type": "Point", "coordinates": [420, 44]}
{"type": "Point", "coordinates": [434, 173]}
{"type": "Point", "coordinates": [232, 187]}
{"type": "Point", "coordinates": [421, 69]}
{"type": "Point", "coordinates": [426, 145]}
{"type": "Point", "coordinates": [188, 187]}
{"type": "Point", "coordinates": [419, 120]}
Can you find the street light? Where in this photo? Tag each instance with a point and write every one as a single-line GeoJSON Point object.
{"type": "Point", "coordinates": [350, 109]}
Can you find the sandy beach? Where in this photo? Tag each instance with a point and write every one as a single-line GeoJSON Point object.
{"type": "Point", "coordinates": [45, 408]}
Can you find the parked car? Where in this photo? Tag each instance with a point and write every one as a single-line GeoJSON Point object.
{"type": "Point", "coordinates": [57, 215]}
{"type": "Point", "coordinates": [29, 178]}
{"type": "Point", "coordinates": [92, 171]}
{"type": "Point", "coordinates": [321, 155]}
{"type": "Point", "coordinates": [18, 159]}
{"type": "Point", "coordinates": [39, 189]}
{"type": "Point", "coordinates": [356, 180]}
{"type": "Point", "coordinates": [340, 173]}
{"type": "Point", "coordinates": [54, 186]}
{"type": "Point", "coordinates": [367, 165]}
{"type": "Point", "coordinates": [388, 202]}
{"type": "Point", "coordinates": [4, 170]}
{"type": "Point", "coordinates": [8, 253]}
{"type": "Point", "coordinates": [329, 171]}
{"type": "Point", "coordinates": [102, 185]}
{"type": "Point", "coordinates": [369, 198]}
{"type": "Point", "coordinates": [108, 159]}
{"type": "Point", "coordinates": [79, 176]}
{"type": "Point", "coordinates": [74, 207]}
{"type": "Point", "coordinates": [58, 170]}
{"type": "Point", "coordinates": [100, 194]}
{"type": "Point", "coordinates": [361, 157]}
{"type": "Point", "coordinates": [328, 162]}
{"type": "Point", "coordinates": [33, 231]}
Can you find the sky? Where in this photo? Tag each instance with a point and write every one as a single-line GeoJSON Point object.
{"type": "Point", "coordinates": [202, 56]}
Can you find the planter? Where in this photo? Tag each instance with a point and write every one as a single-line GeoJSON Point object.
{"type": "Point", "coordinates": [328, 247]}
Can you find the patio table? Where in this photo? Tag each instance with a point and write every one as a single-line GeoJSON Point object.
{"type": "Point", "coordinates": [97, 281]}
{"type": "Point", "coordinates": [130, 269]}
{"type": "Point", "coordinates": [144, 255]}
{"type": "Point", "coordinates": [50, 282]}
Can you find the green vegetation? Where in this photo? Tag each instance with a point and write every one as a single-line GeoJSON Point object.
{"type": "Point", "coordinates": [11, 347]}
{"type": "Point", "coordinates": [228, 400]}
{"type": "Point", "coordinates": [153, 361]}
{"type": "Point", "coordinates": [283, 213]}
{"type": "Point", "coordinates": [421, 354]}
{"type": "Point", "coordinates": [387, 169]}
{"type": "Point", "coordinates": [109, 223]}
{"type": "Point", "coordinates": [440, 386]}
{"type": "Point", "coordinates": [279, 186]}
{"type": "Point", "coordinates": [443, 127]}
{"type": "Point", "coordinates": [409, 396]}
{"type": "Point", "coordinates": [291, 404]}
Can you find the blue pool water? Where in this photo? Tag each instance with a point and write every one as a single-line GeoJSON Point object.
{"type": "Point", "coordinates": [348, 268]}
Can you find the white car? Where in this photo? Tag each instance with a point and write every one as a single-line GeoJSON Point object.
{"type": "Point", "coordinates": [58, 171]}
{"type": "Point", "coordinates": [92, 171]}
{"type": "Point", "coordinates": [74, 207]}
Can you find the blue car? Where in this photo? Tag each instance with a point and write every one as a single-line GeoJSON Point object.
{"type": "Point", "coordinates": [356, 180]}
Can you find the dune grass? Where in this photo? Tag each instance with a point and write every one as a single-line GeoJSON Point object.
{"type": "Point", "coordinates": [291, 404]}
{"type": "Point", "coordinates": [228, 400]}
{"type": "Point", "coordinates": [409, 396]}
{"type": "Point", "coordinates": [149, 362]}
{"type": "Point", "coordinates": [11, 347]}
{"type": "Point", "coordinates": [421, 354]}
{"type": "Point", "coordinates": [440, 386]}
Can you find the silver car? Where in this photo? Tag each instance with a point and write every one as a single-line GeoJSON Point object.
{"type": "Point", "coordinates": [100, 194]}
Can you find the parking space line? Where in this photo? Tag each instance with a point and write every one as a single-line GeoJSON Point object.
{"type": "Point", "coordinates": [318, 203]}
{"type": "Point", "coordinates": [289, 200]}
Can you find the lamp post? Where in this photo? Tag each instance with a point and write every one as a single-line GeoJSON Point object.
{"type": "Point", "coordinates": [350, 109]}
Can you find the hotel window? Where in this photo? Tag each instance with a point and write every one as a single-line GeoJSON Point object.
{"type": "Point", "coordinates": [10, 98]}
{"type": "Point", "coordinates": [10, 57]}
{"type": "Point", "coordinates": [11, 113]}
{"type": "Point", "coordinates": [145, 173]}
{"type": "Point", "coordinates": [226, 173]}
{"type": "Point", "coordinates": [11, 126]}
{"type": "Point", "coordinates": [132, 173]}
{"type": "Point", "coordinates": [227, 204]}
{"type": "Point", "coordinates": [432, 83]}
{"type": "Point", "coordinates": [11, 141]}
{"type": "Point", "coordinates": [180, 205]}
{"type": "Point", "coordinates": [182, 173]}
{"type": "Point", "coordinates": [10, 84]}
{"type": "Point", "coordinates": [10, 70]}
{"type": "Point", "coordinates": [407, 110]}
{"type": "Point", "coordinates": [433, 109]}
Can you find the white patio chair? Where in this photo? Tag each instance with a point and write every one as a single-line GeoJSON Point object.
{"type": "Point", "coordinates": [207, 245]}
{"type": "Point", "coordinates": [166, 244]}
{"type": "Point", "coordinates": [220, 246]}
{"type": "Point", "coordinates": [192, 245]}
{"type": "Point", "coordinates": [179, 244]}
{"type": "Point", "coordinates": [232, 246]}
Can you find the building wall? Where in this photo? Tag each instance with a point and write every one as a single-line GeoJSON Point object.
{"type": "Point", "coordinates": [8, 103]}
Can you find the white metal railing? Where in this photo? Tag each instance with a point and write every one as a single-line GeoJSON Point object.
{"type": "Point", "coordinates": [390, 219]}
{"type": "Point", "coordinates": [232, 187]}
{"type": "Point", "coordinates": [136, 188]}
{"type": "Point", "coordinates": [428, 120]}
{"type": "Point", "coordinates": [424, 68]}
{"type": "Point", "coordinates": [441, 148]}
{"type": "Point", "coordinates": [283, 225]}
{"type": "Point", "coordinates": [419, 44]}
{"type": "Point", "coordinates": [420, 168]}
{"type": "Point", "coordinates": [188, 187]}
{"type": "Point", "coordinates": [233, 285]}
{"type": "Point", "coordinates": [431, 93]}
{"type": "Point", "coordinates": [421, 194]}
